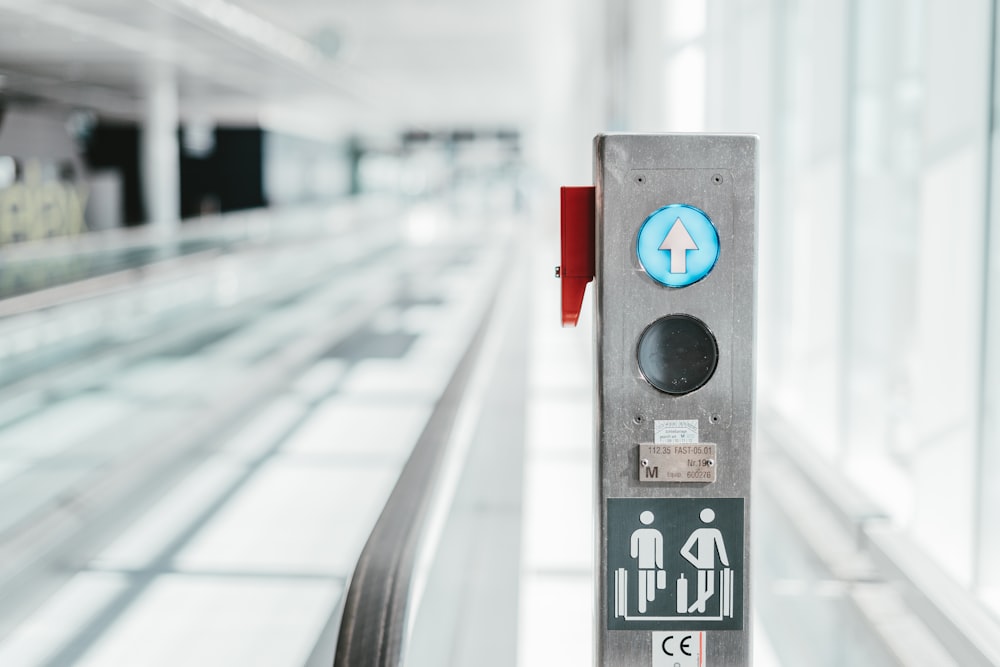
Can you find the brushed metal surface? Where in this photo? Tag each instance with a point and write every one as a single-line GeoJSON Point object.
{"type": "Point", "coordinates": [691, 464]}
{"type": "Point", "coordinates": [634, 176]}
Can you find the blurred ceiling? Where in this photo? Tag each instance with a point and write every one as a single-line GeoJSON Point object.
{"type": "Point", "coordinates": [315, 66]}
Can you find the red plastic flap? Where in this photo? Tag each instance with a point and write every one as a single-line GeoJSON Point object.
{"type": "Point", "coordinates": [577, 267]}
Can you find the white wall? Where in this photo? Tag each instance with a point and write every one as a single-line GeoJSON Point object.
{"type": "Point", "coordinates": [874, 123]}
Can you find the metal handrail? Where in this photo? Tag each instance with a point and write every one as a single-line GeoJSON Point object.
{"type": "Point", "coordinates": [952, 613]}
{"type": "Point", "coordinates": [959, 621]}
{"type": "Point", "coordinates": [223, 232]}
{"type": "Point", "coordinates": [378, 600]}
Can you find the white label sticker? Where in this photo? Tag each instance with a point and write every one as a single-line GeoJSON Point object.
{"type": "Point", "coordinates": [675, 431]}
{"type": "Point", "coordinates": [679, 649]}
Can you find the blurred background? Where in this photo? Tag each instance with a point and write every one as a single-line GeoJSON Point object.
{"type": "Point", "coordinates": [257, 259]}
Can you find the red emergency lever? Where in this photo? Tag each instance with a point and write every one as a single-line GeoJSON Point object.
{"type": "Point", "coordinates": [577, 262]}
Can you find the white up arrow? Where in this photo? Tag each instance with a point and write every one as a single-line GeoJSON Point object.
{"type": "Point", "coordinates": [678, 242]}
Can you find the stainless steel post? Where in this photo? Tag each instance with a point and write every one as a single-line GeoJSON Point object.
{"type": "Point", "coordinates": [675, 303]}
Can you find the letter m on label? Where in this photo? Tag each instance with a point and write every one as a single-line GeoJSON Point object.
{"type": "Point", "coordinates": [652, 471]}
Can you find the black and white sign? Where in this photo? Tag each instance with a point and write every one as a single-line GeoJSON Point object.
{"type": "Point", "coordinates": [675, 563]}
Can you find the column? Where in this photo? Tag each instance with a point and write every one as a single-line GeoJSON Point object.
{"type": "Point", "coordinates": [160, 155]}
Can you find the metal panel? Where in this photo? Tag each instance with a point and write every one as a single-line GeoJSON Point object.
{"type": "Point", "coordinates": [636, 175]}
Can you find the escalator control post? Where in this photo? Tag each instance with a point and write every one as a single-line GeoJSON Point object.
{"type": "Point", "coordinates": [668, 236]}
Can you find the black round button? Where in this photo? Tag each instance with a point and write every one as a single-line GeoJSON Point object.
{"type": "Point", "coordinates": [677, 354]}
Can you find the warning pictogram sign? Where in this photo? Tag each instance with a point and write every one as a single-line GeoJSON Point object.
{"type": "Point", "coordinates": [675, 563]}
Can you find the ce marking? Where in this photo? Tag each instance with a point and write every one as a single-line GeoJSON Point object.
{"type": "Point", "coordinates": [678, 649]}
{"type": "Point", "coordinates": [684, 645]}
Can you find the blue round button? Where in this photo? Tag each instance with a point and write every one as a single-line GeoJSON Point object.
{"type": "Point", "coordinates": [678, 245]}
